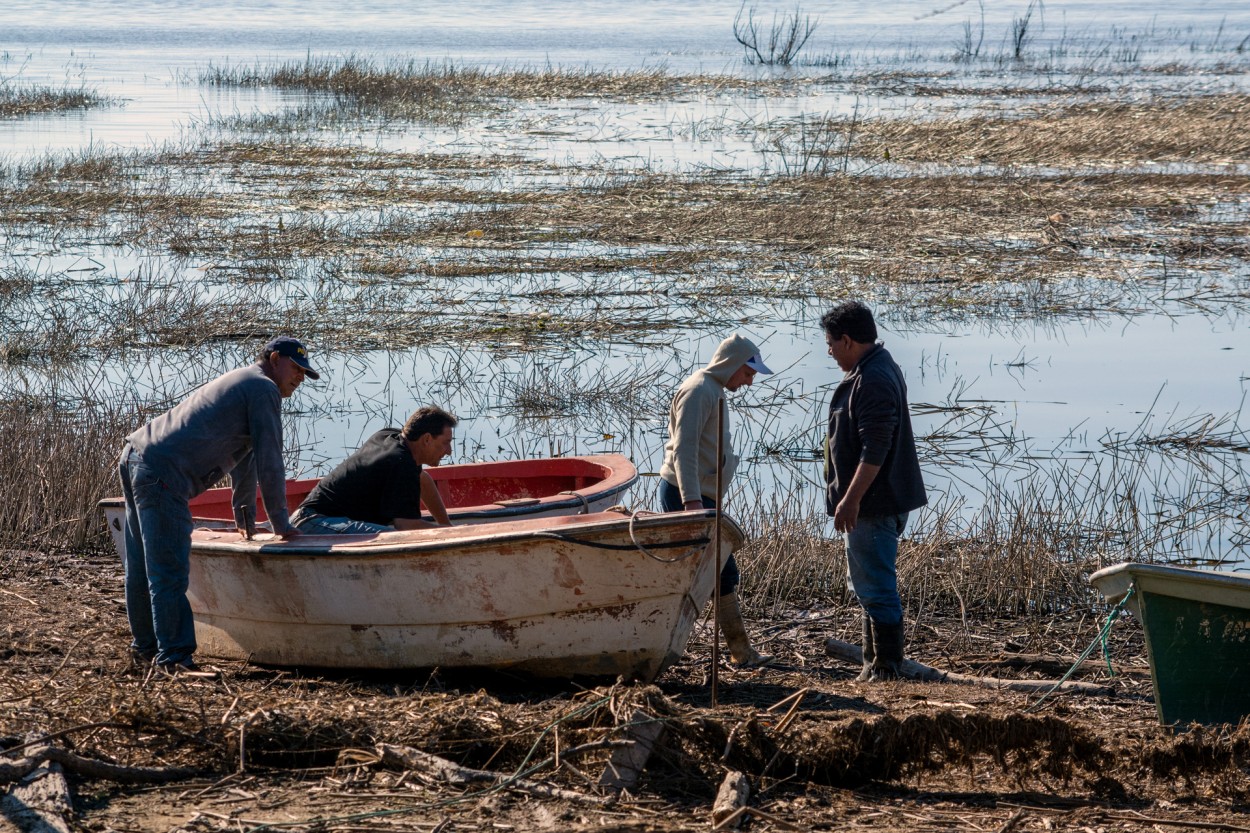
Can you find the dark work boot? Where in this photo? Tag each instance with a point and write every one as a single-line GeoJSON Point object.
{"type": "Point", "coordinates": [888, 645]}
{"type": "Point", "coordinates": [869, 650]}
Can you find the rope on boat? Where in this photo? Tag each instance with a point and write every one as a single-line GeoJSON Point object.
{"type": "Point", "coordinates": [695, 544]}
{"type": "Point", "coordinates": [585, 503]}
{"type": "Point", "coordinates": [1099, 639]}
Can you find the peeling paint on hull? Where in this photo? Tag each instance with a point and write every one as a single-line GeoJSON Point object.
{"type": "Point", "coordinates": [549, 597]}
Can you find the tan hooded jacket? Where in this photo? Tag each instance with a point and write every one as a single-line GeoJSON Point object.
{"type": "Point", "coordinates": [690, 453]}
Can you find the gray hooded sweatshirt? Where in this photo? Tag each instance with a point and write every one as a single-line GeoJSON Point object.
{"type": "Point", "coordinates": [690, 453]}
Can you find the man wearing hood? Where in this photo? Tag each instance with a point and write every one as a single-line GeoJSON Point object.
{"type": "Point", "coordinates": [688, 476]}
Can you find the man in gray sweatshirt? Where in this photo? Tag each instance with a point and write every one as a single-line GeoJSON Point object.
{"type": "Point", "coordinates": [231, 426]}
{"type": "Point", "coordinates": [688, 475]}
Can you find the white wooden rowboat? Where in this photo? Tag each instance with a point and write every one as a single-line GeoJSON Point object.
{"type": "Point", "coordinates": [598, 595]}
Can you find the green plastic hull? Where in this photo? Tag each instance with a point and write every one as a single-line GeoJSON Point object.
{"type": "Point", "coordinates": [1197, 626]}
{"type": "Point", "coordinates": [1199, 659]}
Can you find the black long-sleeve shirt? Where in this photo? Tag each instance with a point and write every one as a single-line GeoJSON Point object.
{"type": "Point", "coordinates": [869, 422]}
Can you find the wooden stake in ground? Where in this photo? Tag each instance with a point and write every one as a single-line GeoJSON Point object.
{"type": "Point", "coordinates": [720, 470]}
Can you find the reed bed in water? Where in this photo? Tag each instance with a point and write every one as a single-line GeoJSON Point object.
{"type": "Point", "coordinates": [1199, 129]}
{"type": "Point", "coordinates": [254, 208]}
{"type": "Point", "coordinates": [447, 93]}
{"type": "Point", "coordinates": [17, 101]}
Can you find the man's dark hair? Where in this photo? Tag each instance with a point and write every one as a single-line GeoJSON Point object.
{"type": "Point", "coordinates": [850, 318]}
{"type": "Point", "coordinates": [428, 420]}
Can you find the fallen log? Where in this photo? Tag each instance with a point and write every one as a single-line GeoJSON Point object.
{"type": "Point", "coordinates": [913, 670]}
{"type": "Point", "coordinates": [731, 798]}
{"type": "Point", "coordinates": [40, 801]}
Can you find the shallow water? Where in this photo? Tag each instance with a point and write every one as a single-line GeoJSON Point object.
{"type": "Point", "coordinates": [1056, 390]}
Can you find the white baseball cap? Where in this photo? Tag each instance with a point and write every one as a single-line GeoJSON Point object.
{"type": "Point", "coordinates": [757, 364]}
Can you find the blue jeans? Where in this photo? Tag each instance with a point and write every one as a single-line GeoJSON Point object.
{"type": "Point", "coordinates": [871, 553]}
{"type": "Point", "coordinates": [158, 559]}
{"type": "Point", "coordinates": [312, 524]}
{"type": "Point", "coordinates": [670, 501]}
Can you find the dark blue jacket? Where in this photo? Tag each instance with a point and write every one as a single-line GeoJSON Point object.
{"type": "Point", "coordinates": [869, 421]}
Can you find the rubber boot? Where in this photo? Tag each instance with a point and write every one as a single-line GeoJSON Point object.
{"type": "Point", "coordinates": [869, 650]}
{"type": "Point", "coordinates": [888, 646]}
{"type": "Point", "coordinates": [730, 620]}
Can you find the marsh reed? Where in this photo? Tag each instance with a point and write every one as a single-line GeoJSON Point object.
{"type": "Point", "coordinates": [18, 100]}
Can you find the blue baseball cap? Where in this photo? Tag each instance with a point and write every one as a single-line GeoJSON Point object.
{"type": "Point", "coordinates": [293, 350]}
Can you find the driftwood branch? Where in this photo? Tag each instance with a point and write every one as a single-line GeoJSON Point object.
{"type": "Point", "coordinates": [11, 771]}
{"type": "Point", "coordinates": [731, 799]}
{"type": "Point", "coordinates": [449, 772]}
{"type": "Point", "coordinates": [919, 671]}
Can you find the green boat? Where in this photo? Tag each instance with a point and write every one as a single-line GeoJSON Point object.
{"type": "Point", "coordinates": [1197, 625]}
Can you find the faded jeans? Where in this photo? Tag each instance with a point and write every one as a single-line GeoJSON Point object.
{"type": "Point", "coordinates": [311, 523]}
{"type": "Point", "coordinates": [158, 559]}
{"type": "Point", "coordinates": [670, 501]}
{"type": "Point", "coordinates": [871, 553]}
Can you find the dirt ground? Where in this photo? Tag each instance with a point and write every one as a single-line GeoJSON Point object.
{"type": "Point", "coordinates": [272, 749]}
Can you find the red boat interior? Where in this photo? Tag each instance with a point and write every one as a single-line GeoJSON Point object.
{"type": "Point", "coordinates": [462, 486]}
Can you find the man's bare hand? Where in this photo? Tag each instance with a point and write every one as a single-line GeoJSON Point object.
{"type": "Point", "coordinates": [692, 505]}
{"type": "Point", "coordinates": [846, 515]}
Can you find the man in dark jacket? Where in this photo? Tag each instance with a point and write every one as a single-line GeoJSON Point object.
{"type": "Point", "coordinates": [872, 477]}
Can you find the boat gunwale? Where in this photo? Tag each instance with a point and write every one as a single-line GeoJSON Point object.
{"type": "Point", "coordinates": [355, 546]}
{"type": "Point", "coordinates": [1188, 583]}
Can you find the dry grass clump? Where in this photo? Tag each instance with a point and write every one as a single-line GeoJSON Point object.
{"type": "Point", "coordinates": [444, 92]}
{"type": "Point", "coordinates": [1198, 129]}
{"type": "Point", "coordinates": [61, 448]}
{"type": "Point", "coordinates": [545, 391]}
{"type": "Point", "coordinates": [17, 101]}
{"type": "Point", "coordinates": [850, 752]}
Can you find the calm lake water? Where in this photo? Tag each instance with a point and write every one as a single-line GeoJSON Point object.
{"type": "Point", "coordinates": [1057, 391]}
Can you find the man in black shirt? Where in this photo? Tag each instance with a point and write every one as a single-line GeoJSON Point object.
{"type": "Point", "coordinates": [381, 487]}
{"type": "Point", "coordinates": [872, 475]}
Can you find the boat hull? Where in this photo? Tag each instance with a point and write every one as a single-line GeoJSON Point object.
{"type": "Point", "coordinates": [558, 597]}
{"type": "Point", "coordinates": [1197, 628]}
{"type": "Point", "coordinates": [488, 492]}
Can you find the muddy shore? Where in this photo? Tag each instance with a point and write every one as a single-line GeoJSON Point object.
{"type": "Point", "coordinates": [263, 748]}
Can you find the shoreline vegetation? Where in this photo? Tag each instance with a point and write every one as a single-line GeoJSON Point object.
{"type": "Point", "coordinates": [1054, 197]}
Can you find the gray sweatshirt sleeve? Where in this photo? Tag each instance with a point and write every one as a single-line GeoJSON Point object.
{"type": "Point", "coordinates": [262, 464]}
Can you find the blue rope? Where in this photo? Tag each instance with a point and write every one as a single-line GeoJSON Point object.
{"type": "Point", "coordinates": [1100, 638]}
